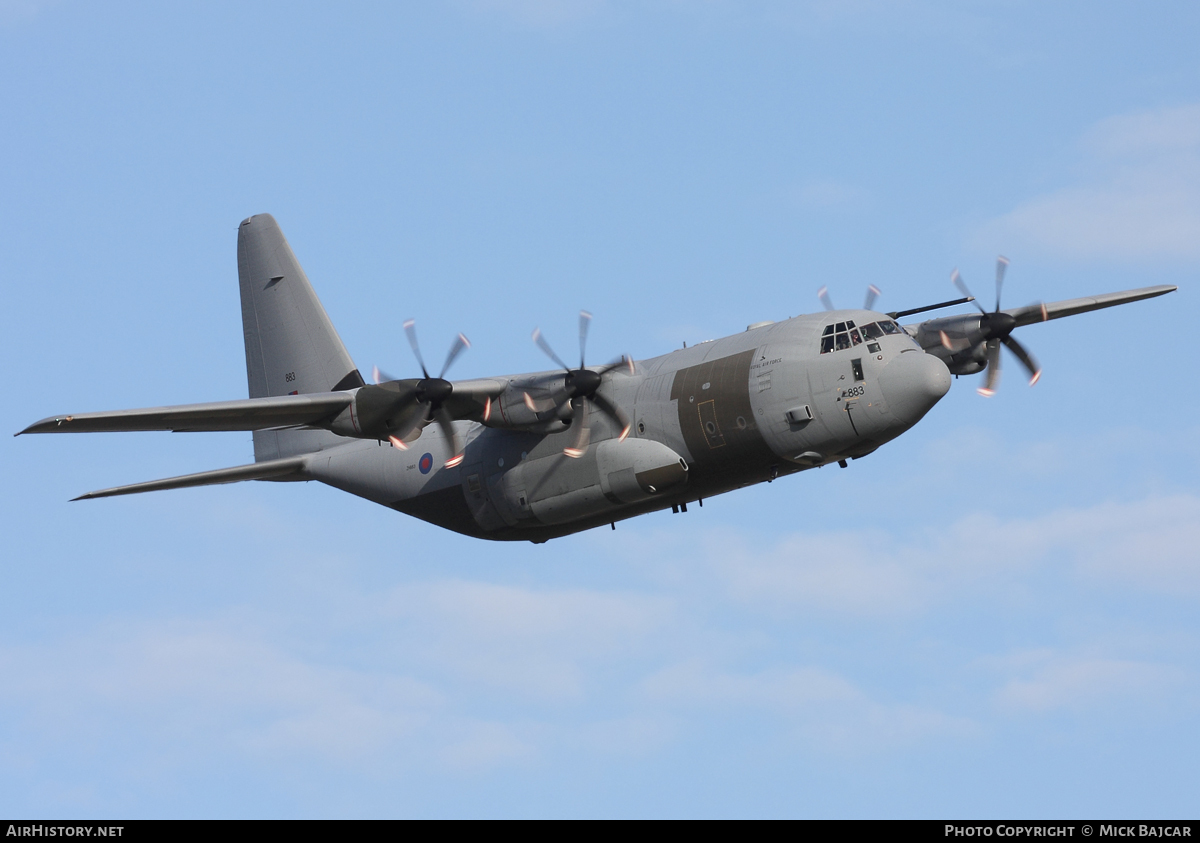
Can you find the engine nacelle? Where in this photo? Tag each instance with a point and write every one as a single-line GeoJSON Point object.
{"type": "Point", "coordinates": [968, 362]}
{"type": "Point", "coordinates": [956, 340]}
{"type": "Point", "coordinates": [379, 410]}
{"type": "Point", "coordinates": [959, 331]}
{"type": "Point", "coordinates": [521, 407]}
{"type": "Point", "coordinates": [610, 475]}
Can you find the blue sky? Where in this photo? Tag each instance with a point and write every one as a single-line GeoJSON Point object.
{"type": "Point", "coordinates": [994, 615]}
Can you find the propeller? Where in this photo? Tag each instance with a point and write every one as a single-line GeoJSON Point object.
{"type": "Point", "coordinates": [823, 295]}
{"type": "Point", "coordinates": [581, 389]}
{"type": "Point", "coordinates": [996, 329]}
{"type": "Point", "coordinates": [873, 293]}
{"type": "Point", "coordinates": [431, 393]}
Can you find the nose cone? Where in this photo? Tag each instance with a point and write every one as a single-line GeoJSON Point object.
{"type": "Point", "coordinates": [912, 384]}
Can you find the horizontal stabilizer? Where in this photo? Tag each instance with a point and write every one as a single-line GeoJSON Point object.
{"type": "Point", "coordinates": [1070, 307]}
{"type": "Point", "coordinates": [256, 471]}
{"type": "Point", "coordinates": [243, 414]}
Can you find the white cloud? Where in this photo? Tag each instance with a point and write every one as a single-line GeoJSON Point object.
{"type": "Point", "coordinates": [1051, 681]}
{"type": "Point", "coordinates": [438, 660]}
{"type": "Point", "coordinates": [205, 678]}
{"type": "Point", "coordinates": [1138, 198]}
{"type": "Point", "coordinates": [857, 575]}
{"type": "Point", "coordinates": [529, 643]}
{"type": "Point", "coordinates": [464, 678]}
{"type": "Point", "coordinates": [1149, 545]}
{"type": "Point", "coordinates": [818, 706]}
{"type": "Point", "coordinates": [485, 747]}
{"type": "Point", "coordinates": [1148, 133]}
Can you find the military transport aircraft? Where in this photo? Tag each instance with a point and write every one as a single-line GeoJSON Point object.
{"type": "Point", "coordinates": [537, 456]}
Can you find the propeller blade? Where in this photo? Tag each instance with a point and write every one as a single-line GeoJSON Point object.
{"type": "Point", "coordinates": [379, 376]}
{"type": "Point", "coordinates": [872, 294]}
{"type": "Point", "coordinates": [823, 295]}
{"type": "Point", "coordinates": [446, 422]}
{"type": "Point", "coordinates": [953, 346]}
{"type": "Point", "coordinates": [1001, 268]}
{"type": "Point", "coordinates": [405, 430]}
{"type": "Point", "coordinates": [585, 322]}
{"type": "Point", "coordinates": [623, 362]}
{"type": "Point", "coordinates": [992, 379]}
{"type": "Point", "coordinates": [540, 406]}
{"type": "Point", "coordinates": [1031, 366]}
{"type": "Point", "coordinates": [410, 328]}
{"type": "Point", "coordinates": [536, 406]}
{"type": "Point", "coordinates": [579, 427]}
{"type": "Point", "coordinates": [962, 288]}
{"type": "Point", "coordinates": [460, 344]}
{"type": "Point", "coordinates": [545, 346]}
{"type": "Point", "coordinates": [613, 412]}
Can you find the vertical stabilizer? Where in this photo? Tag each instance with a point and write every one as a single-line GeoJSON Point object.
{"type": "Point", "coordinates": [291, 346]}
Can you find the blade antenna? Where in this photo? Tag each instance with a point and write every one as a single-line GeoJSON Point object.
{"type": "Point", "coordinates": [410, 328]}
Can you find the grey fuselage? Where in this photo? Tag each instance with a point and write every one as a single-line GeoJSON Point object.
{"type": "Point", "coordinates": [728, 413]}
{"type": "Point", "coordinates": [533, 457]}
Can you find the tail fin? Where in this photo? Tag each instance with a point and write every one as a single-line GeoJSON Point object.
{"type": "Point", "coordinates": [291, 346]}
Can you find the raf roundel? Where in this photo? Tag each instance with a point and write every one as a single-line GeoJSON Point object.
{"type": "Point", "coordinates": [426, 463]}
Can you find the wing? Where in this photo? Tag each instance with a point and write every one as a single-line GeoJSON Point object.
{"type": "Point", "coordinates": [246, 414]}
{"type": "Point", "coordinates": [270, 470]}
{"type": "Point", "coordinates": [1070, 307]}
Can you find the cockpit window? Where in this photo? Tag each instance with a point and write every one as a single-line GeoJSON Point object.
{"type": "Point", "coordinates": [845, 335]}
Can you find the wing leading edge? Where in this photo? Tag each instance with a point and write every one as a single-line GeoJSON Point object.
{"type": "Point", "coordinates": [244, 414]}
{"type": "Point", "coordinates": [1057, 310]}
